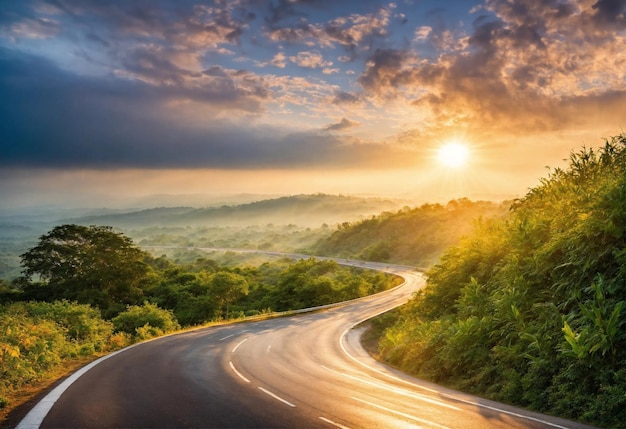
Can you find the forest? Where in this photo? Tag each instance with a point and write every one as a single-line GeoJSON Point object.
{"type": "Point", "coordinates": [531, 309]}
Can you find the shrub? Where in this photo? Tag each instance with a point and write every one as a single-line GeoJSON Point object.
{"type": "Point", "coordinates": [145, 321]}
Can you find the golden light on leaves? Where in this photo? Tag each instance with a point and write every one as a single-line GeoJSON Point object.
{"type": "Point", "coordinates": [453, 154]}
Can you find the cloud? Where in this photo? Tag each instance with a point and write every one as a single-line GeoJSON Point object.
{"type": "Point", "coordinates": [387, 70]}
{"type": "Point", "coordinates": [342, 125]}
{"type": "Point", "coordinates": [343, 97]}
{"type": "Point", "coordinates": [523, 65]}
{"type": "Point", "coordinates": [612, 11]}
{"type": "Point", "coordinates": [329, 71]}
{"type": "Point", "coordinates": [347, 31]}
{"type": "Point", "coordinates": [202, 25]}
{"type": "Point", "coordinates": [53, 119]}
{"type": "Point", "coordinates": [310, 59]}
{"type": "Point", "coordinates": [279, 60]}
{"type": "Point", "coordinates": [154, 83]}
{"type": "Point", "coordinates": [423, 32]}
{"type": "Point", "coordinates": [30, 28]}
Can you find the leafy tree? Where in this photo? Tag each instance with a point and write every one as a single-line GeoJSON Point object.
{"type": "Point", "coordinates": [93, 265]}
{"type": "Point", "coordinates": [228, 287]}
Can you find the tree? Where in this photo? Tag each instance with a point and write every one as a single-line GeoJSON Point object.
{"type": "Point", "coordinates": [92, 265]}
{"type": "Point", "coordinates": [228, 287]}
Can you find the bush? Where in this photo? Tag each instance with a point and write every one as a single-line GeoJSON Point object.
{"type": "Point", "coordinates": [145, 321]}
{"type": "Point", "coordinates": [36, 338]}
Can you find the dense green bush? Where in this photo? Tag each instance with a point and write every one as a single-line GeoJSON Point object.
{"type": "Point", "coordinates": [145, 321]}
{"type": "Point", "coordinates": [37, 337]}
{"type": "Point", "coordinates": [532, 309]}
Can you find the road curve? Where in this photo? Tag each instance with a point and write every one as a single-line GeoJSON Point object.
{"type": "Point", "coordinates": [304, 371]}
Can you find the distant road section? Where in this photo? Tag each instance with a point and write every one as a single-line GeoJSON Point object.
{"type": "Point", "coordinates": [304, 371]}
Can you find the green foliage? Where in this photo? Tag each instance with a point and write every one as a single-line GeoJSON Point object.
{"type": "Point", "coordinates": [531, 309]}
{"type": "Point", "coordinates": [196, 294]}
{"type": "Point", "coordinates": [310, 283]}
{"type": "Point", "coordinates": [145, 321]}
{"type": "Point", "coordinates": [227, 287]}
{"type": "Point", "coordinates": [36, 338]}
{"type": "Point", "coordinates": [415, 236]}
{"type": "Point", "coordinates": [91, 265]}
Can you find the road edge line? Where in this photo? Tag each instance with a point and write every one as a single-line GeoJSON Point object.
{"type": "Point", "coordinates": [38, 413]}
{"type": "Point", "coordinates": [392, 377]}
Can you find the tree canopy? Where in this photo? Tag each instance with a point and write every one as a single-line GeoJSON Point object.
{"type": "Point", "coordinates": [93, 265]}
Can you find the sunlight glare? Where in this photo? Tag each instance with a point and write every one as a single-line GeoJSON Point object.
{"type": "Point", "coordinates": [453, 154]}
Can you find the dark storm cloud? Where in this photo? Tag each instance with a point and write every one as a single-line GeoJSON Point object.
{"type": "Point", "coordinates": [612, 11]}
{"type": "Point", "coordinates": [54, 119]}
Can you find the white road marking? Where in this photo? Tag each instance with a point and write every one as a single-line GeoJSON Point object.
{"type": "Point", "coordinates": [472, 403]}
{"type": "Point", "coordinates": [227, 336]}
{"type": "Point", "coordinates": [240, 343]}
{"type": "Point", "coordinates": [35, 416]}
{"type": "Point", "coordinates": [399, 413]}
{"type": "Point", "coordinates": [240, 375]}
{"type": "Point", "coordinates": [324, 419]}
{"type": "Point", "coordinates": [399, 391]}
{"type": "Point", "coordinates": [273, 395]}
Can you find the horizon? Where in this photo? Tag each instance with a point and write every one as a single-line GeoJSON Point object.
{"type": "Point", "coordinates": [201, 201]}
{"type": "Point", "coordinates": [109, 103]}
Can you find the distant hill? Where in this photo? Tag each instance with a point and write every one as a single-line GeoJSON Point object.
{"type": "Point", "coordinates": [415, 236]}
{"type": "Point", "coordinates": [187, 225]}
{"type": "Point", "coordinates": [303, 210]}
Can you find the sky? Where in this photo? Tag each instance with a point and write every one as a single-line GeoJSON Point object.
{"type": "Point", "coordinates": [106, 101]}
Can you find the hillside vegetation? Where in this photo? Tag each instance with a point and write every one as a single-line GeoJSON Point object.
{"type": "Point", "coordinates": [415, 236]}
{"type": "Point", "coordinates": [531, 309]}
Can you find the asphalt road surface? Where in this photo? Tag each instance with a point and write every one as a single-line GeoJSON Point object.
{"type": "Point", "coordinates": [303, 371]}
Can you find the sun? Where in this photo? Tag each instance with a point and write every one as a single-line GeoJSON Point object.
{"type": "Point", "coordinates": [453, 154]}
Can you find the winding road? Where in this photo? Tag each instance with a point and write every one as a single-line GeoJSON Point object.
{"type": "Point", "coordinates": [304, 371]}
